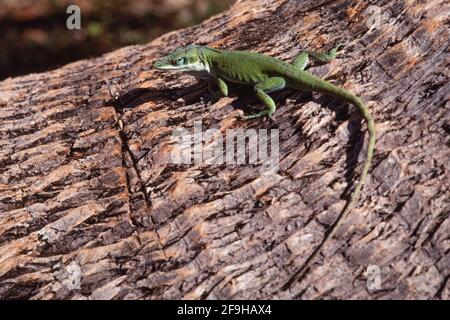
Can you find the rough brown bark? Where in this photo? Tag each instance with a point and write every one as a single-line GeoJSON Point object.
{"type": "Point", "coordinates": [90, 206]}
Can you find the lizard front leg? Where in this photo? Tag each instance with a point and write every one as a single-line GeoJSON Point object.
{"type": "Point", "coordinates": [264, 87]}
{"type": "Point", "coordinates": [223, 88]}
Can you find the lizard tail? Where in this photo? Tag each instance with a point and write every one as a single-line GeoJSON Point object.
{"type": "Point", "coordinates": [348, 96]}
{"type": "Point", "coordinates": [370, 150]}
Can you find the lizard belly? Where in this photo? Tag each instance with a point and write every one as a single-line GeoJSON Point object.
{"type": "Point", "coordinates": [241, 76]}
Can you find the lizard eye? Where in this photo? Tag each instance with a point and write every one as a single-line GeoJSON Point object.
{"type": "Point", "coordinates": [179, 61]}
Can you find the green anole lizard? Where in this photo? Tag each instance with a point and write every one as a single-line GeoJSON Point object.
{"type": "Point", "coordinates": [267, 74]}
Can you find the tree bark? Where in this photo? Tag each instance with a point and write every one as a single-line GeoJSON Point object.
{"type": "Point", "coordinates": [91, 207]}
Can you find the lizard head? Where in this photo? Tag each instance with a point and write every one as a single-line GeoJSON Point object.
{"type": "Point", "coordinates": [183, 59]}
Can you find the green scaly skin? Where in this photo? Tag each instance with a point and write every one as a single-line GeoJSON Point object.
{"type": "Point", "coordinates": [267, 74]}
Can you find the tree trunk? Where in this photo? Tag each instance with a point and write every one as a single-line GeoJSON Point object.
{"type": "Point", "coordinates": [93, 207]}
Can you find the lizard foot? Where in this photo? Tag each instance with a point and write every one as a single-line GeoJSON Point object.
{"type": "Point", "coordinates": [258, 115]}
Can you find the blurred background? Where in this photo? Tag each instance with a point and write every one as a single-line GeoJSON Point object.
{"type": "Point", "coordinates": [34, 36]}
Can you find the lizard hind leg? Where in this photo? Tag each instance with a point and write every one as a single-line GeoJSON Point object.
{"type": "Point", "coordinates": [325, 57]}
{"type": "Point", "coordinates": [301, 61]}
{"type": "Point", "coordinates": [262, 89]}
